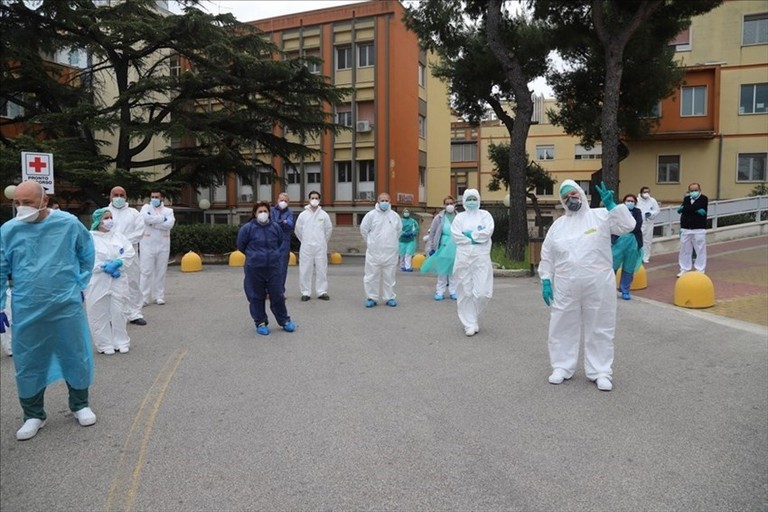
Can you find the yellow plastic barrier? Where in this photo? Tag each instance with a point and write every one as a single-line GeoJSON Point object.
{"type": "Point", "coordinates": [335, 258]}
{"type": "Point", "coordinates": [639, 281]}
{"type": "Point", "coordinates": [236, 259]}
{"type": "Point", "coordinates": [417, 261]}
{"type": "Point", "coordinates": [292, 260]}
{"type": "Point", "coordinates": [694, 290]}
{"type": "Point", "coordinates": [191, 262]}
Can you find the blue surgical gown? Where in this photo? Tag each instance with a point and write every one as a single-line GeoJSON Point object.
{"type": "Point", "coordinates": [51, 263]}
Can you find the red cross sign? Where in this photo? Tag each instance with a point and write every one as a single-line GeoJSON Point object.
{"type": "Point", "coordinates": [38, 167]}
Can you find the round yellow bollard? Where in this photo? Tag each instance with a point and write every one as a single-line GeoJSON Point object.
{"type": "Point", "coordinates": [694, 290]}
{"type": "Point", "coordinates": [236, 259]}
{"type": "Point", "coordinates": [292, 259]}
{"type": "Point", "coordinates": [639, 281]}
{"type": "Point", "coordinates": [417, 261]}
{"type": "Point", "coordinates": [191, 262]}
{"type": "Point", "coordinates": [335, 258]}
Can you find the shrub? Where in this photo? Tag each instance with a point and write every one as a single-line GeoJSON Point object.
{"type": "Point", "coordinates": [203, 238]}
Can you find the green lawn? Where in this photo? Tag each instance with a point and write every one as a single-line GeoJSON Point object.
{"type": "Point", "coordinates": [497, 256]}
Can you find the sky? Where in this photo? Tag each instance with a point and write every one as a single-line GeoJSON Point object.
{"type": "Point", "coordinates": [249, 10]}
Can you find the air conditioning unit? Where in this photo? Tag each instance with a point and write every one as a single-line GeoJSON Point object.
{"type": "Point", "coordinates": [366, 195]}
{"type": "Point", "coordinates": [363, 126]}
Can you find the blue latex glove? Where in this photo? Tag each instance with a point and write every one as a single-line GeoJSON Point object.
{"type": "Point", "coordinates": [115, 274]}
{"type": "Point", "coordinates": [546, 291]}
{"type": "Point", "coordinates": [702, 212]}
{"type": "Point", "coordinates": [3, 322]}
{"type": "Point", "coordinates": [606, 195]}
{"type": "Point", "coordinates": [431, 252]}
{"type": "Point", "coordinates": [111, 267]}
{"type": "Point", "coordinates": [467, 233]}
{"type": "Point", "coordinates": [680, 209]}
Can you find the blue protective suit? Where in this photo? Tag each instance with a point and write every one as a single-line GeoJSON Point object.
{"type": "Point", "coordinates": [261, 244]}
{"type": "Point", "coordinates": [284, 219]}
{"type": "Point", "coordinates": [51, 263]}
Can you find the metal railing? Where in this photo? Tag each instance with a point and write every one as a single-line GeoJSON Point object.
{"type": "Point", "coordinates": [669, 220]}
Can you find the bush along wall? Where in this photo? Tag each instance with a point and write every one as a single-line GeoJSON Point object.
{"type": "Point", "coordinates": [203, 239]}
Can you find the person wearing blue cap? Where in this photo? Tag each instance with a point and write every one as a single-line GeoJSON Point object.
{"type": "Point", "coordinates": [107, 292]}
{"type": "Point", "coordinates": [50, 255]}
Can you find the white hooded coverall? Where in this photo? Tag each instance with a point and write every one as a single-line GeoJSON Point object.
{"type": "Point", "coordinates": [154, 250]}
{"type": "Point", "coordinates": [128, 221]}
{"type": "Point", "coordinates": [381, 232]}
{"type": "Point", "coordinates": [105, 296]}
{"type": "Point", "coordinates": [647, 206]}
{"type": "Point", "coordinates": [472, 268]}
{"type": "Point", "coordinates": [313, 229]}
{"type": "Point", "coordinates": [576, 256]}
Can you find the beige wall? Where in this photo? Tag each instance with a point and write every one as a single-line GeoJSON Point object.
{"type": "Point", "coordinates": [438, 138]}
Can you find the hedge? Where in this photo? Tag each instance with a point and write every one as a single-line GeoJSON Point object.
{"type": "Point", "coordinates": [203, 238]}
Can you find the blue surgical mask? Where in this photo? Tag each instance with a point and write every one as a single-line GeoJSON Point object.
{"type": "Point", "coordinates": [573, 203]}
{"type": "Point", "coordinates": [155, 202]}
{"type": "Point", "coordinates": [118, 202]}
{"type": "Point", "coordinates": [630, 205]}
{"type": "Point", "coordinates": [384, 205]}
{"type": "Point", "coordinates": [694, 194]}
{"type": "Point", "coordinates": [472, 204]}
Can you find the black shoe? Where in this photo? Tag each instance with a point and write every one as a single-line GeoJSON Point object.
{"type": "Point", "coordinates": [324, 297]}
{"type": "Point", "coordinates": [304, 298]}
{"type": "Point", "coordinates": [139, 321]}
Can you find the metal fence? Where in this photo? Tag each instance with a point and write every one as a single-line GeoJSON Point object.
{"type": "Point", "coordinates": [668, 220]}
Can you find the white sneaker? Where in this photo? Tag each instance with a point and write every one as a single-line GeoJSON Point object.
{"type": "Point", "coordinates": [558, 376]}
{"type": "Point", "coordinates": [681, 273]}
{"type": "Point", "coordinates": [159, 302]}
{"type": "Point", "coordinates": [604, 384]}
{"type": "Point", "coordinates": [29, 429]}
{"type": "Point", "coordinates": [85, 417]}
{"type": "Point", "coordinates": [470, 331]}
{"type": "Point", "coordinates": [109, 351]}
{"type": "Point", "coordinates": [123, 350]}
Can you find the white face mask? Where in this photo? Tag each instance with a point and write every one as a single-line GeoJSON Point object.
{"type": "Point", "coordinates": [118, 202]}
{"type": "Point", "coordinates": [645, 195]}
{"type": "Point", "coordinates": [450, 208]}
{"type": "Point", "coordinates": [262, 217]}
{"type": "Point", "coordinates": [28, 213]}
{"type": "Point", "coordinates": [282, 205]}
{"type": "Point", "coordinates": [108, 224]}
{"type": "Point", "coordinates": [314, 203]}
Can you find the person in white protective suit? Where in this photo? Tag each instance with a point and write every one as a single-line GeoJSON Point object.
{"type": "Point", "coordinates": [578, 282]}
{"type": "Point", "coordinates": [313, 229]}
{"type": "Point", "coordinates": [155, 248]}
{"type": "Point", "coordinates": [108, 290]}
{"type": "Point", "coordinates": [471, 231]}
{"type": "Point", "coordinates": [381, 228]}
{"type": "Point", "coordinates": [649, 208]}
{"type": "Point", "coordinates": [128, 221]}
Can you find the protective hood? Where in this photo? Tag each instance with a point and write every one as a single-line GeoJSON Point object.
{"type": "Point", "coordinates": [97, 216]}
{"type": "Point", "coordinates": [584, 202]}
{"type": "Point", "coordinates": [471, 192]}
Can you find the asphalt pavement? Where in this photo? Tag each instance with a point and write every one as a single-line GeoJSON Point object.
{"type": "Point", "coordinates": [396, 409]}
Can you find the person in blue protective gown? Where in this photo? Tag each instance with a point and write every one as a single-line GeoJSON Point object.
{"type": "Point", "coordinates": [50, 255]}
{"type": "Point", "coordinates": [628, 248]}
{"type": "Point", "coordinates": [409, 241]}
{"type": "Point", "coordinates": [261, 240]}
{"type": "Point", "coordinates": [441, 250]}
{"type": "Point", "coordinates": [578, 282]}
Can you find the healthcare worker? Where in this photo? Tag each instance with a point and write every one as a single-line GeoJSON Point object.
{"type": "Point", "coordinates": [313, 229]}
{"type": "Point", "coordinates": [578, 282]}
{"type": "Point", "coordinates": [693, 230]}
{"type": "Point", "coordinates": [283, 216]}
{"type": "Point", "coordinates": [130, 223]}
{"type": "Point", "coordinates": [155, 248]}
{"type": "Point", "coordinates": [649, 208]}
{"type": "Point", "coordinates": [381, 228]}
{"type": "Point", "coordinates": [107, 292]}
{"type": "Point", "coordinates": [471, 231]}
{"type": "Point", "coordinates": [408, 241]}
{"type": "Point", "coordinates": [49, 253]}
{"type": "Point", "coordinates": [627, 249]}
{"type": "Point", "coordinates": [442, 250]}
{"type": "Point", "coordinates": [260, 240]}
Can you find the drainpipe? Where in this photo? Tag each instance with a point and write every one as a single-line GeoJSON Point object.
{"type": "Point", "coordinates": [719, 166]}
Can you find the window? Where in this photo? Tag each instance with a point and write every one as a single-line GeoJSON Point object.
{"type": "Point", "coordinates": [293, 175]}
{"type": "Point", "coordinates": [344, 172]}
{"type": "Point", "coordinates": [314, 67]}
{"type": "Point", "coordinates": [175, 65]}
{"type": "Point", "coordinates": [682, 41]}
{"type": "Point", "coordinates": [365, 170]}
{"type": "Point", "coordinates": [545, 190]}
{"type": "Point", "coordinates": [751, 167]}
{"type": "Point", "coordinates": [755, 29]}
{"type": "Point", "coordinates": [265, 178]}
{"type": "Point", "coordinates": [11, 110]}
{"type": "Point", "coordinates": [422, 127]}
{"type": "Point", "coordinates": [344, 58]}
{"type": "Point", "coordinates": [668, 169]}
{"type": "Point", "coordinates": [654, 113]}
{"type": "Point", "coordinates": [422, 75]}
{"type": "Point", "coordinates": [545, 152]}
{"type": "Point", "coordinates": [464, 152]}
{"type": "Point", "coordinates": [584, 184]}
{"type": "Point", "coordinates": [365, 55]}
{"type": "Point", "coordinates": [754, 99]}
{"type": "Point", "coordinates": [344, 118]}
{"type": "Point", "coordinates": [694, 102]}
{"type": "Point", "coordinates": [582, 153]}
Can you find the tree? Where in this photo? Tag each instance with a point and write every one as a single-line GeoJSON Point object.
{"type": "Point", "coordinates": [488, 62]}
{"type": "Point", "coordinates": [535, 177]}
{"type": "Point", "coordinates": [618, 58]}
{"type": "Point", "coordinates": [209, 81]}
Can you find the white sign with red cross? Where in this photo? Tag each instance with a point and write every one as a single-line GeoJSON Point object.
{"type": "Point", "coordinates": [38, 167]}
